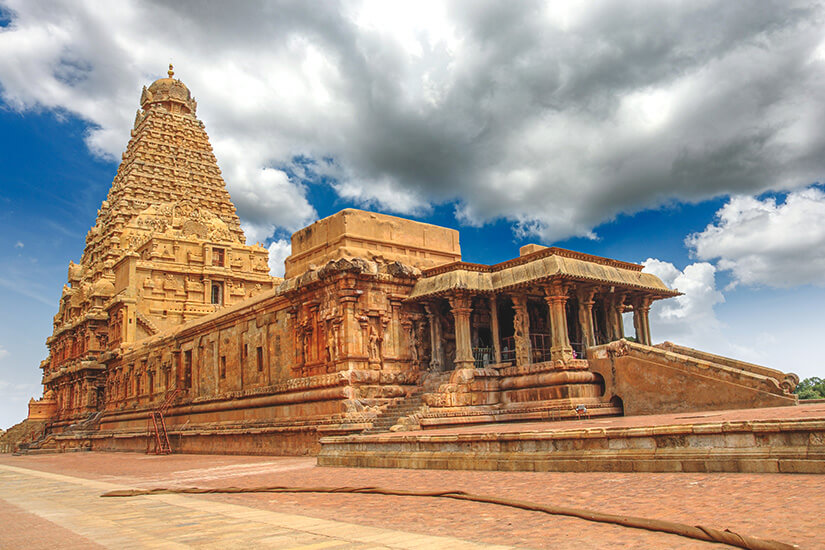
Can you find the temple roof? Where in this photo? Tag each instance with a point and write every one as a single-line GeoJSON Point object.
{"type": "Point", "coordinates": [168, 90]}
{"type": "Point", "coordinates": [534, 268]}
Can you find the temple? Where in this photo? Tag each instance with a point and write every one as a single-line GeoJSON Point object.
{"type": "Point", "coordinates": [171, 331]}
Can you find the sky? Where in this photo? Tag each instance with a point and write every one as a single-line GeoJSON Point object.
{"type": "Point", "coordinates": [686, 136]}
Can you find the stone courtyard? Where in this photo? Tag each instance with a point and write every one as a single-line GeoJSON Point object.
{"type": "Point", "coordinates": [61, 506]}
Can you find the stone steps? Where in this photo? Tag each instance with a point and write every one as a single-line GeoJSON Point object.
{"type": "Point", "coordinates": [392, 414]}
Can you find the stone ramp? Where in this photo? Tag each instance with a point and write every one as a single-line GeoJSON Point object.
{"type": "Point", "coordinates": [21, 434]}
{"type": "Point", "coordinates": [656, 380]}
{"type": "Point", "coordinates": [787, 381]}
{"type": "Point", "coordinates": [778, 440]}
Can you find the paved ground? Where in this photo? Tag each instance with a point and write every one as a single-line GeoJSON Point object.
{"type": "Point", "coordinates": [50, 501]}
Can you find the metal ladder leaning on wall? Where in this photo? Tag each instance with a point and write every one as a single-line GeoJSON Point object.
{"type": "Point", "coordinates": [157, 427]}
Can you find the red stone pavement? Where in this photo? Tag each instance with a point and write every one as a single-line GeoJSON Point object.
{"type": "Point", "coordinates": [21, 529]}
{"type": "Point", "coordinates": [790, 508]}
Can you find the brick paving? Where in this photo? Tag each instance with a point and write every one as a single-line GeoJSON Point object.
{"type": "Point", "coordinates": [62, 511]}
{"type": "Point", "coordinates": [21, 529]}
{"type": "Point", "coordinates": [789, 508]}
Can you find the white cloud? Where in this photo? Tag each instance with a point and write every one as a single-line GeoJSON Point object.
{"type": "Point", "coordinates": [762, 242]}
{"type": "Point", "coordinates": [3, 352]}
{"type": "Point", "coordinates": [278, 252]}
{"type": "Point", "coordinates": [513, 110]}
{"type": "Point", "coordinates": [18, 244]}
{"type": "Point", "coordinates": [689, 319]}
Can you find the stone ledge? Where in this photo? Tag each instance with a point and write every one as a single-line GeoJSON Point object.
{"type": "Point", "coordinates": [748, 446]}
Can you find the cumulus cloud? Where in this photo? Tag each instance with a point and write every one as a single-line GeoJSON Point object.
{"type": "Point", "coordinates": [767, 242]}
{"type": "Point", "coordinates": [555, 116]}
{"type": "Point", "coordinates": [689, 319]}
{"type": "Point", "coordinates": [278, 252]}
{"type": "Point", "coordinates": [19, 244]}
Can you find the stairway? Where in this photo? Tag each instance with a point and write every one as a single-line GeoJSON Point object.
{"type": "Point", "coordinates": [390, 416]}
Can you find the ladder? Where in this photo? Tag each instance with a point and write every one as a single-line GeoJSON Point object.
{"type": "Point", "coordinates": [157, 427]}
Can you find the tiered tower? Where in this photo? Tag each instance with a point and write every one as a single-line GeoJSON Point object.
{"type": "Point", "coordinates": [167, 247]}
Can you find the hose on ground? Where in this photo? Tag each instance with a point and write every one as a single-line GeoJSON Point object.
{"type": "Point", "coordinates": [698, 532]}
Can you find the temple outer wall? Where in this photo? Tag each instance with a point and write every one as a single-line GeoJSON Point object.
{"type": "Point", "coordinates": [318, 356]}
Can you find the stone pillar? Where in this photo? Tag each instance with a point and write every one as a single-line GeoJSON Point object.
{"type": "Point", "coordinates": [292, 331]}
{"type": "Point", "coordinates": [352, 346]}
{"type": "Point", "coordinates": [461, 306]}
{"type": "Point", "coordinates": [494, 330]}
{"type": "Point", "coordinates": [435, 337]}
{"type": "Point", "coordinates": [615, 324]}
{"type": "Point", "coordinates": [641, 320]}
{"type": "Point", "coordinates": [316, 341]}
{"type": "Point", "coordinates": [130, 324]}
{"type": "Point", "coordinates": [392, 337]}
{"type": "Point", "coordinates": [556, 297]}
{"type": "Point", "coordinates": [585, 296]}
{"type": "Point", "coordinates": [521, 330]}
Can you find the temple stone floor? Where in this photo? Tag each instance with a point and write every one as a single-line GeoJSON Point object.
{"type": "Point", "coordinates": [52, 501]}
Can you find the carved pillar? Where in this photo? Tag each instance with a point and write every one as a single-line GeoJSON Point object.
{"type": "Point", "coordinates": [615, 325]}
{"type": "Point", "coordinates": [130, 324]}
{"type": "Point", "coordinates": [407, 350]}
{"type": "Point", "coordinates": [641, 320]}
{"type": "Point", "coordinates": [556, 297]}
{"type": "Point", "coordinates": [90, 393]}
{"type": "Point", "coordinates": [435, 337]}
{"type": "Point", "coordinates": [297, 331]}
{"type": "Point", "coordinates": [585, 296]}
{"type": "Point", "coordinates": [461, 306]}
{"type": "Point", "coordinates": [316, 341]}
{"type": "Point", "coordinates": [392, 337]}
{"type": "Point", "coordinates": [494, 330]}
{"type": "Point", "coordinates": [521, 329]}
{"type": "Point", "coordinates": [353, 344]}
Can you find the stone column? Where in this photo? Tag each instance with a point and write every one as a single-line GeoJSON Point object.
{"type": "Point", "coordinates": [316, 342]}
{"type": "Point", "coordinates": [435, 337]}
{"type": "Point", "coordinates": [494, 330]}
{"type": "Point", "coordinates": [641, 320]}
{"type": "Point", "coordinates": [615, 325]}
{"type": "Point", "coordinates": [521, 330]}
{"type": "Point", "coordinates": [352, 343]}
{"type": "Point", "coordinates": [392, 337]}
{"type": "Point", "coordinates": [461, 306]}
{"type": "Point", "coordinates": [585, 296]}
{"type": "Point", "coordinates": [556, 297]}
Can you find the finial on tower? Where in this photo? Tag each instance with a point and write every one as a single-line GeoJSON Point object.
{"type": "Point", "coordinates": [171, 71]}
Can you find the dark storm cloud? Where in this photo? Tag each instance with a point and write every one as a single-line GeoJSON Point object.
{"type": "Point", "coordinates": [554, 116]}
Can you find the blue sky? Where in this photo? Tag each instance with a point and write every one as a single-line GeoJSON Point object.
{"type": "Point", "coordinates": [698, 155]}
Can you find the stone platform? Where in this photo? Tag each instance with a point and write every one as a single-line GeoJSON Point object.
{"type": "Point", "coordinates": [770, 440]}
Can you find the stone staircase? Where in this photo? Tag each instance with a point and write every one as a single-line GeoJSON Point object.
{"type": "Point", "coordinates": [390, 416]}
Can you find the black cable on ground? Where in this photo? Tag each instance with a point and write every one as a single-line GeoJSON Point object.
{"type": "Point", "coordinates": [699, 532]}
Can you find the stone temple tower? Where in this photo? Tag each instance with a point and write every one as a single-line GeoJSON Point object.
{"type": "Point", "coordinates": [167, 247]}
